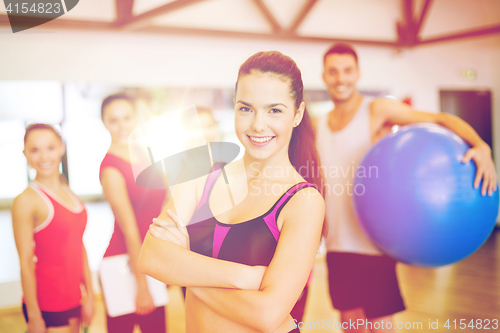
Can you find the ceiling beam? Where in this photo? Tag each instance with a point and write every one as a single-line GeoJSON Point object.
{"type": "Point", "coordinates": [406, 29]}
{"type": "Point", "coordinates": [81, 25]}
{"type": "Point", "coordinates": [302, 15]}
{"type": "Point", "coordinates": [167, 8]}
{"type": "Point", "coordinates": [423, 16]}
{"type": "Point", "coordinates": [265, 36]}
{"type": "Point", "coordinates": [268, 16]}
{"type": "Point", "coordinates": [408, 12]}
{"type": "Point", "coordinates": [123, 10]}
{"type": "Point", "coordinates": [495, 29]}
{"type": "Point", "coordinates": [91, 25]}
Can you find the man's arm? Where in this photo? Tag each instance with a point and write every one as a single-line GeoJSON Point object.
{"type": "Point", "coordinates": [386, 112]}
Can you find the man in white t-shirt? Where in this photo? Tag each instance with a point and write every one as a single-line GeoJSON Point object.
{"type": "Point", "coordinates": [363, 282]}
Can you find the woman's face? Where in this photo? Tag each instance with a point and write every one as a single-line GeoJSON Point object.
{"type": "Point", "coordinates": [265, 115]}
{"type": "Point", "coordinates": [119, 119]}
{"type": "Point", "coordinates": [44, 150]}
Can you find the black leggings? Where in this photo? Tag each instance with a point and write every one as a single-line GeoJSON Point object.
{"type": "Point", "coordinates": [56, 319]}
{"type": "Point", "coordinates": [151, 323]}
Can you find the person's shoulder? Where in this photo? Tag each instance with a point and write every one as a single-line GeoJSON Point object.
{"type": "Point", "coordinates": [111, 173]}
{"type": "Point", "coordinates": [109, 160]}
{"type": "Point", "coordinates": [378, 103]}
{"type": "Point", "coordinates": [383, 104]}
{"type": "Point", "coordinates": [307, 198]}
{"type": "Point", "coordinates": [111, 164]}
{"type": "Point", "coordinates": [309, 190]}
{"type": "Point", "coordinates": [305, 206]}
{"type": "Point", "coordinates": [27, 201]}
{"type": "Point", "coordinates": [385, 107]}
{"type": "Point", "coordinates": [28, 195]}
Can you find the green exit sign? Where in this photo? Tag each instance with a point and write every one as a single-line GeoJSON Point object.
{"type": "Point", "coordinates": [468, 74]}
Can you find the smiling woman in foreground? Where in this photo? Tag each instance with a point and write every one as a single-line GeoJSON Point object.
{"type": "Point", "coordinates": [245, 265]}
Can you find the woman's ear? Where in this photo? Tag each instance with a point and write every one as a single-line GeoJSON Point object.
{"type": "Point", "coordinates": [299, 114]}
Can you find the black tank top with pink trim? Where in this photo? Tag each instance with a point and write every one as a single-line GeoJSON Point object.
{"type": "Point", "coordinates": [252, 242]}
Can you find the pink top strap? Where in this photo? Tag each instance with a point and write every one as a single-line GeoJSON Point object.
{"type": "Point", "coordinates": [212, 177]}
{"type": "Point", "coordinates": [272, 218]}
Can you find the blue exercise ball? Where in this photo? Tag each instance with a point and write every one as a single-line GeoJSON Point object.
{"type": "Point", "coordinates": [416, 200]}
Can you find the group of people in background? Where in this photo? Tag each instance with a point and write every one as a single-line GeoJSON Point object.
{"type": "Point", "coordinates": [245, 266]}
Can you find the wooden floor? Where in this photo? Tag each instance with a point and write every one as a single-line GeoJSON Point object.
{"type": "Point", "coordinates": [468, 290]}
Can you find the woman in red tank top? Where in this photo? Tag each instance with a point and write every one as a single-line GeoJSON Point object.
{"type": "Point", "coordinates": [134, 208]}
{"type": "Point", "coordinates": [48, 222]}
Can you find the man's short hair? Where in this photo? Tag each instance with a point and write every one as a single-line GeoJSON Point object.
{"type": "Point", "coordinates": [341, 48]}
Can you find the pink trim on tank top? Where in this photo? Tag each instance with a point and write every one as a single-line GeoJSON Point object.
{"type": "Point", "coordinates": [49, 204]}
{"type": "Point", "coordinates": [211, 178]}
{"type": "Point", "coordinates": [220, 233]}
{"type": "Point", "coordinates": [270, 218]}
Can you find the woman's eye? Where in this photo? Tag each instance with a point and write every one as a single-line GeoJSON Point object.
{"type": "Point", "coordinates": [275, 111]}
{"type": "Point", "coordinates": [245, 109]}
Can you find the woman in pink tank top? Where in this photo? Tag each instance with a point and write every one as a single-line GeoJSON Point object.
{"type": "Point", "coordinates": [255, 223]}
{"type": "Point", "coordinates": [48, 222]}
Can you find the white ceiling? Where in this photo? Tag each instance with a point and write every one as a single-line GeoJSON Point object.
{"type": "Point", "coordinates": [335, 19]}
{"type": "Point", "coordinates": [93, 10]}
{"type": "Point", "coordinates": [365, 19]}
{"type": "Point", "coordinates": [239, 15]}
{"type": "Point", "coordinates": [448, 16]}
